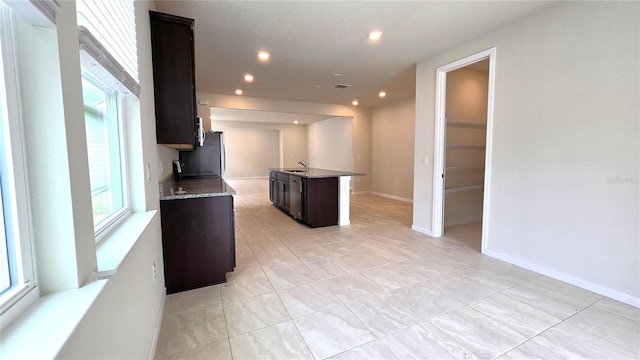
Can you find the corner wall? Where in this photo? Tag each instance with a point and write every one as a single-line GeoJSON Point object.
{"type": "Point", "coordinates": [564, 196]}
{"type": "Point", "coordinates": [338, 132]}
{"type": "Point", "coordinates": [392, 146]}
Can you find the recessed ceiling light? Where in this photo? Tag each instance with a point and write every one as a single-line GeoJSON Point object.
{"type": "Point", "coordinates": [354, 102]}
{"type": "Point", "coordinates": [375, 35]}
{"type": "Point", "coordinates": [296, 122]}
{"type": "Point", "coordinates": [382, 94]}
{"type": "Point", "coordinates": [263, 55]}
{"type": "Point", "coordinates": [248, 77]}
{"type": "Point", "coordinates": [238, 92]}
{"type": "Point", "coordinates": [337, 75]}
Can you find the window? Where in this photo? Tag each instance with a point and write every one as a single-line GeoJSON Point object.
{"type": "Point", "coordinates": [16, 269]}
{"type": "Point", "coordinates": [109, 59]}
{"type": "Point", "coordinates": [105, 147]}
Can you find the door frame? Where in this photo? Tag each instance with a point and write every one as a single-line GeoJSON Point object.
{"type": "Point", "coordinates": [440, 140]}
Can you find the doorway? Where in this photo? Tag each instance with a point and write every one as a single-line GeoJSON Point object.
{"type": "Point", "coordinates": [464, 118]}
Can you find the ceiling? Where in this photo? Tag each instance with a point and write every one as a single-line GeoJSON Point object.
{"type": "Point", "coordinates": [311, 41]}
{"type": "Point", "coordinates": [223, 114]}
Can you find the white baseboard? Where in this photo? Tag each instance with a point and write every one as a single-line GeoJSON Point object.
{"type": "Point", "coordinates": [154, 341]}
{"type": "Point", "coordinates": [392, 197]}
{"type": "Point", "coordinates": [463, 221]}
{"type": "Point", "coordinates": [421, 230]}
{"type": "Point", "coordinates": [581, 283]}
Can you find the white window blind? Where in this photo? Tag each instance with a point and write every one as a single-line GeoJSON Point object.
{"type": "Point", "coordinates": [108, 34]}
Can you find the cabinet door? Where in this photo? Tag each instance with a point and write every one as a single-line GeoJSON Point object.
{"type": "Point", "coordinates": [198, 241]}
{"type": "Point", "coordinates": [273, 188]}
{"type": "Point", "coordinates": [321, 202]}
{"type": "Point", "coordinates": [283, 194]}
{"type": "Point", "coordinates": [173, 79]}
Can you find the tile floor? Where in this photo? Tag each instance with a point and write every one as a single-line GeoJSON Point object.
{"type": "Point", "coordinates": [376, 289]}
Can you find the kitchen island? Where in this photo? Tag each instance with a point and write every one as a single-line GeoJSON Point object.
{"type": "Point", "coordinates": [316, 197]}
{"type": "Point", "coordinates": [198, 232]}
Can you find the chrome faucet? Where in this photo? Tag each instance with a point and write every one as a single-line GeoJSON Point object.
{"type": "Point", "coordinates": [306, 166]}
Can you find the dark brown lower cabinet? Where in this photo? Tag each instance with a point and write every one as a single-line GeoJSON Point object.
{"type": "Point", "coordinates": [320, 201]}
{"type": "Point", "coordinates": [198, 241]}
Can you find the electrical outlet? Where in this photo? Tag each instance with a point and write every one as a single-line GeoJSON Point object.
{"type": "Point", "coordinates": [153, 271]}
{"type": "Point", "coordinates": [148, 171]}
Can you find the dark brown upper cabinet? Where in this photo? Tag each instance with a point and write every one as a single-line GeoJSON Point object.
{"type": "Point", "coordinates": [174, 82]}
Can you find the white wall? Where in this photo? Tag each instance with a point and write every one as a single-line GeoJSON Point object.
{"type": "Point", "coordinates": [564, 178]}
{"type": "Point", "coordinates": [392, 145]}
{"type": "Point", "coordinates": [294, 138]}
{"type": "Point", "coordinates": [361, 123]}
{"type": "Point", "coordinates": [330, 144]}
{"type": "Point", "coordinates": [251, 152]}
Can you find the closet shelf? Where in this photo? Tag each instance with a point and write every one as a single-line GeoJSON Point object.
{"type": "Point", "coordinates": [466, 146]}
{"type": "Point", "coordinates": [459, 168]}
{"type": "Point", "coordinates": [464, 188]}
{"type": "Point", "coordinates": [466, 125]}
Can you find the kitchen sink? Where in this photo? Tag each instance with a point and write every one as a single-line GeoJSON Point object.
{"type": "Point", "coordinates": [295, 170]}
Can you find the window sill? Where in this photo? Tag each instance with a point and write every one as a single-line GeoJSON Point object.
{"type": "Point", "coordinates": [115, 247]}
{"type": "Point", "coordinates": [42, 330]}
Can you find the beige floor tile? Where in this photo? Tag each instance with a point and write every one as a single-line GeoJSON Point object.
{"type": "Point", "coordinates": [286, 277]}
{"type": "Point", "coordinates": [421, 268]}
{"type": "Point", "coordinates": [557, 302]}
{"type": "Point", "coordinates": [191, 329]}
{"type": "Point", "coordinates": [361, 261]}
{"type": "Point", "coordinates": [219, 350]}
{"type": "Point", "coordinates": [485, 337]}
{"type": "Point", "coordinates": [529, 351]}
{"type": "Point", "coordinates": [425, 341]}
{"type": "Point", "coordinates": [496, 280]}
{"type": "Point", "coordinates": [421, 302]}
{"type": "Point", "coordinates": [278, 259]}
{"type": "Point", "coordinates": [618, 308]}
{"type": "Point", "coordinates": [250, 284]}
{"type": "Point", "coordinates": [368, 351]}
{"type": "Point", "coordinates": [571, 342]}
{"type": "Point", "coordinates": [254, 313]}
{"type": "Point", "coordinates": [388, 278]}
{"type": "Point", "coordinates": [516, 315]}
{"type": "Point", "coordinates": [326, 269]}
{"type": "Point", "coordinates": [306, 299]}
{"type": "Point", "coordinates": [192, 299]}
{"type": "Point", "coordinates": [313, 253]}
{"type": "Point", "coordinates": [351, 287]}
{"type": "Point", "coordinates": [281, 341]}
{"type": "Point", "coordinates": [380, 317]}
{"type": "Point", "coordinates": [333, 331]}
{"type": "Point", "coordinates": [615, 328]}
{"type": "Point", "coordinates": [458, 287]}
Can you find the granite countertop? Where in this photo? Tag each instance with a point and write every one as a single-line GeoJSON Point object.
{"type": "Point", "coordinates": [193, 188]}
{"type": "Point", "coordinates": [316, 173]}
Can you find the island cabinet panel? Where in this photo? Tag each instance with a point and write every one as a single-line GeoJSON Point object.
{"type": "Point", "coordinates": [273, 187]}
{"type": "Point", "coordinates": [198, 241]}
{"type": "Point", "coordinates": [320, 201]}
{"type": "Point", "coordinates": [172, 50]}
{"type": "Point", "coordinates": [283, 191]}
